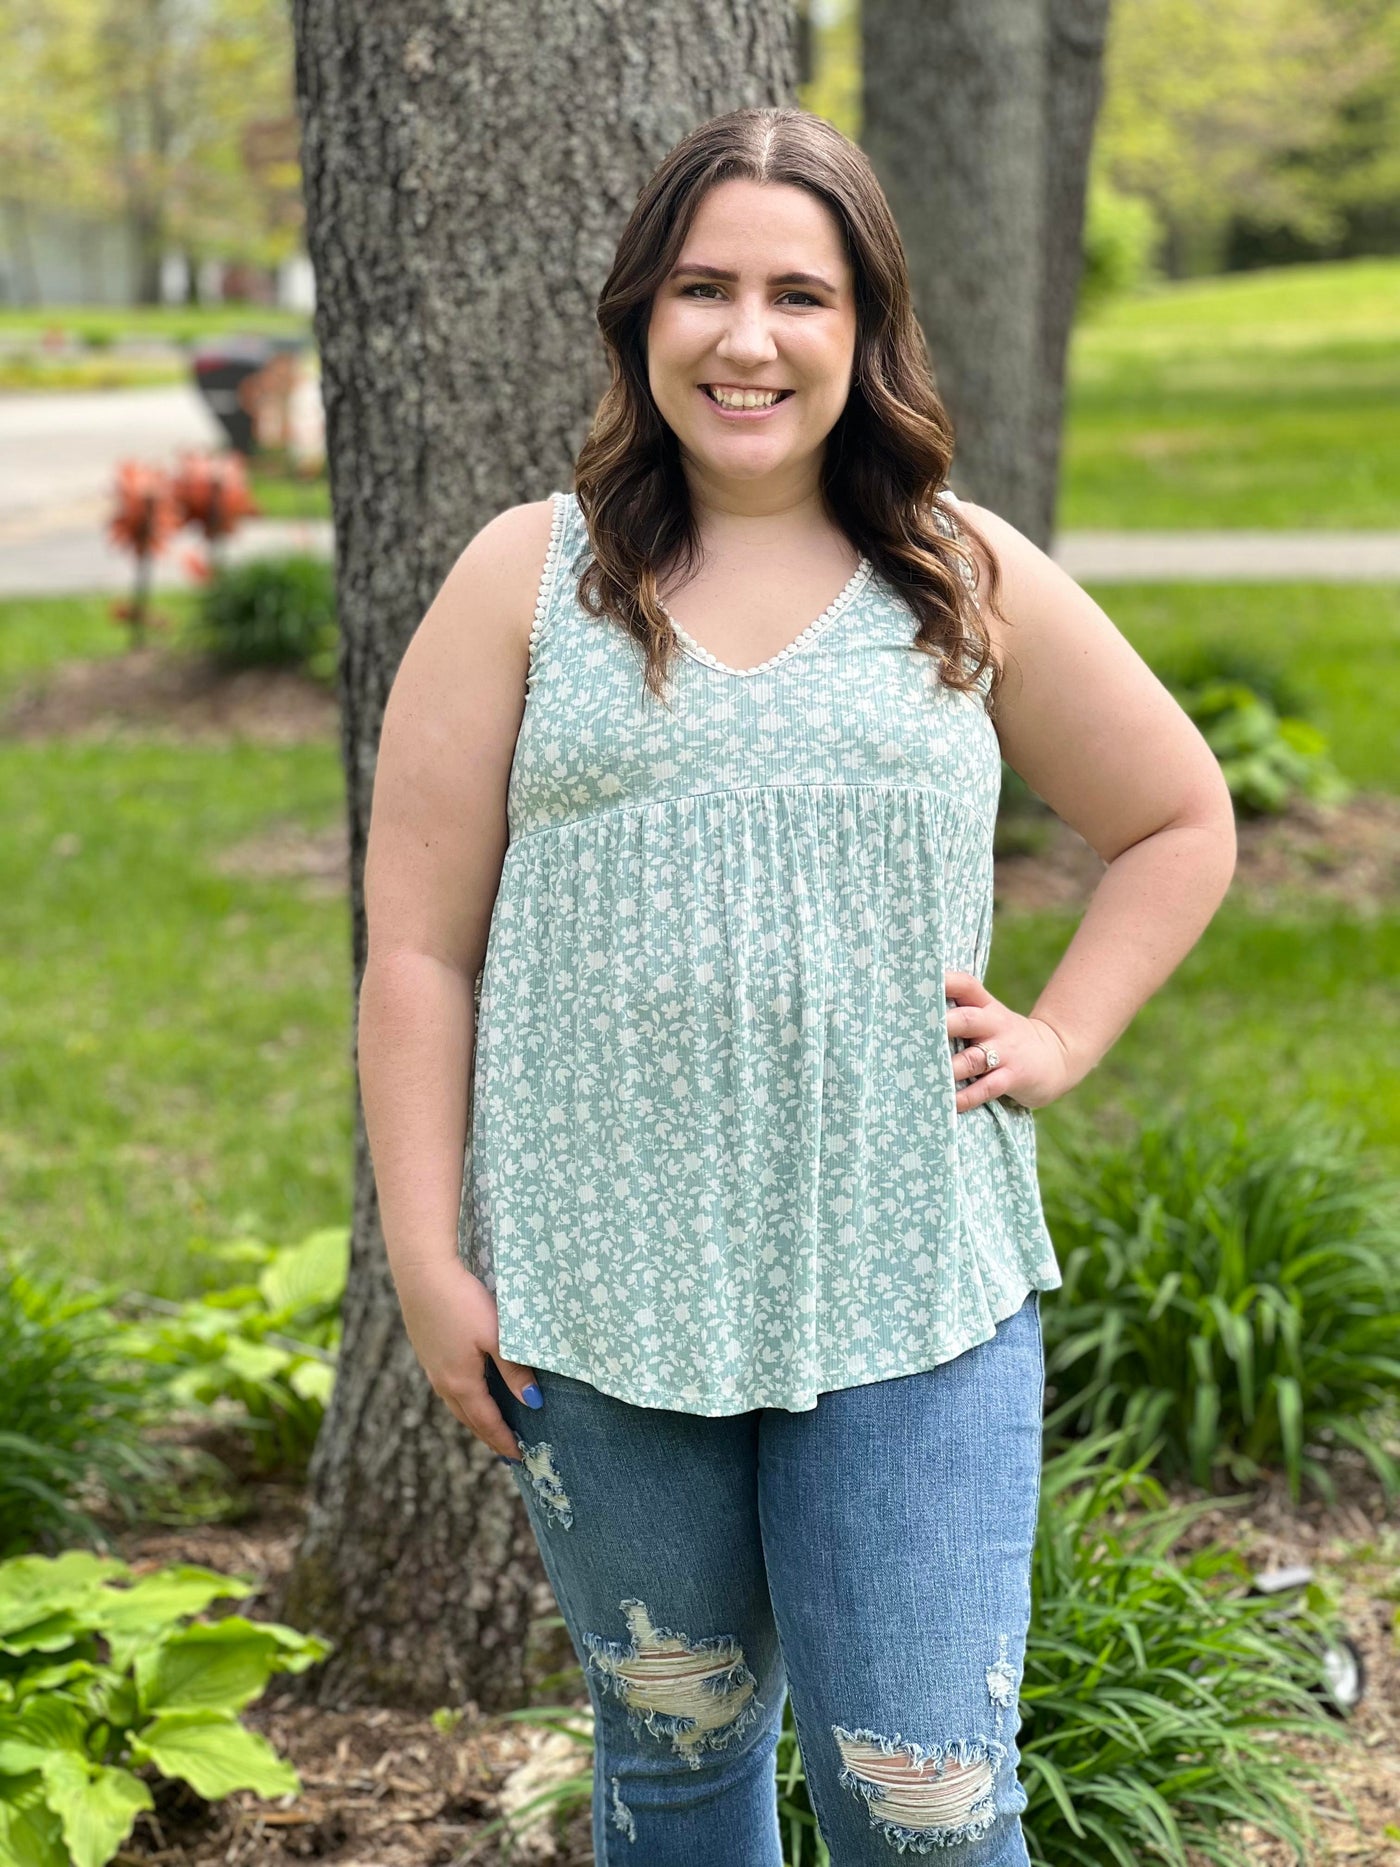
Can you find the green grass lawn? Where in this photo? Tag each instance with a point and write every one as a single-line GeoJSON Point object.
{"type": "Point", "coordinates": [1267, 399]}
{"type": "Point", "coordinates": [36, 632]}
{"type": "Point", "coordinates": [280, 496]}
{"type": "Point", "coordinates": [1337, 646]}
{"type": "Point", "coordinates": [1263, 1013]}
{"type": "Point", "coordinates": [174, 1042]}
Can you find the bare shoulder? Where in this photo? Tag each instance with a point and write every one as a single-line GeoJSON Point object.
{"type": "Point", "coordinates": [1035, 595]}
{"type": "Point", "coordinates": [438, 829]}
{"type": "Point", "coordinates": [1048, 622]}
{"type": "Point", "coordinates": [492, 585]}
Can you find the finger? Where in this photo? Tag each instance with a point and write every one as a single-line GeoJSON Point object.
{"type": "Point", "coordinates": [983, 1089]}
{"type": "Point", "coordinates": [474, 1407]}
{"type": "Point", "coordinates": [966, 987]}
{"type": "Point", "coordinates": [973, 1022]}
{"type": "Point", "coordinates": [520, 1380]}
{"type": "Point", "coordinates": [480, 1429]}
{"type": "Point", "coordinates": [969, 1063]}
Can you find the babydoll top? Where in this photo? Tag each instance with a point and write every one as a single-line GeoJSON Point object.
{"type": "Point", "coordinates": [714, 1160]}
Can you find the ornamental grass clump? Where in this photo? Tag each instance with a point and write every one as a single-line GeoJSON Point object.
{"type": "Point", "coordinates": [1231, 1297]}
{"type": "Point", "coordinates": [1160, 1693]}
{"type": "Point", "coordinates": [73, 1413]}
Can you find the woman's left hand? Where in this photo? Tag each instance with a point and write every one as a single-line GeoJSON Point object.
{"type": "Point", "coordinates": [1033, 1065]}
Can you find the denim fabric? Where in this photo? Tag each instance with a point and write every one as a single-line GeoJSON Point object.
{"type": "Point", "coordinates": [870, 1557]}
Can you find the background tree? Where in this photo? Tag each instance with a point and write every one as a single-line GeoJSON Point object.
{"type": "Point", "coordinates": [979, 117]}
{"type": "Point", "coordinates": [1257, 110]}
{"type": "Point", "coordinates": [468, 169]}
{"type": "Point", "coordinates": [154, 112]}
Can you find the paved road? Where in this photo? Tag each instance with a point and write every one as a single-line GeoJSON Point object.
{"type": "Point", "coordinates": [58, 459]}
{"type": "Point", "coordinates": [58, 454]}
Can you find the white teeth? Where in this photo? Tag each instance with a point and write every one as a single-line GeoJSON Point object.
{"type": "Point", "coordinates": [744, 398]}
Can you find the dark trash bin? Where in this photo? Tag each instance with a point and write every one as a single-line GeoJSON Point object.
{"type": "Point", "coordinates": [231, 373]}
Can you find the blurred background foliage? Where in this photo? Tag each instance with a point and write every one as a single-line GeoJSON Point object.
{"type": "Point", "coordinates": [1247, 133]}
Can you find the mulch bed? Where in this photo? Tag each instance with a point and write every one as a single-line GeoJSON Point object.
{"type": "Point", "coordinates": [1353, 1546]}
{"type": "Point", "coordinates": [154, 692]}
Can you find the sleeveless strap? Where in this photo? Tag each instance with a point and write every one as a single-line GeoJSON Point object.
{"type": "Point", "coordinates": [566, 525]}
{"type": "Point", "coordinates": [948, 525]}
{"type": "Point", "coordinates": [950, 528]}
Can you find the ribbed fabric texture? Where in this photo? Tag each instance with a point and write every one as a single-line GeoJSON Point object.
{"type": "Point", "coordinates": [714, 1159]}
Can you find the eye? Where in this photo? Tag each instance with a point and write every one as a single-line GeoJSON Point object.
{"type": "Point", "coordinates": [707, 287]}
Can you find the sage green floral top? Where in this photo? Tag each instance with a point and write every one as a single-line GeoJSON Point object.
{"type": "Point", "coordinates": [714, 1160]}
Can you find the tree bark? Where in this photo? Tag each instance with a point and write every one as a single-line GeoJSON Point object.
{"type": "Point", "coordinates": [978, 118]}
{"type": "Point", "coordinates": [467, 171]}
{"type": "Point", "coordinates": [1073, 92]}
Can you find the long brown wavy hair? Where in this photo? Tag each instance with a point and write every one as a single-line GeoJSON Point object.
{"type": "Point", "coordinates": [886, 457]}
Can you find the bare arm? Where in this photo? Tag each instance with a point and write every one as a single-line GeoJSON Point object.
{"type": "Point", "coordinates": [1087, 724]}
{"type": "Point", "coordinates": [437, 843]}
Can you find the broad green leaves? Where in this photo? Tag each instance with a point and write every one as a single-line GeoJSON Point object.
{"type": "Point", "coordinates": [101, 1672]}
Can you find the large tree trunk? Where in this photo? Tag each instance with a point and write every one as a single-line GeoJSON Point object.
{"type": "Point", "coordinates": [979, 117]}
{"type": "Point", "coordinates": [467, 169]}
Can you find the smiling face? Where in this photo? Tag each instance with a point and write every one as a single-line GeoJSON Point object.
{"type": "Point", "coordinates": [761, 300]}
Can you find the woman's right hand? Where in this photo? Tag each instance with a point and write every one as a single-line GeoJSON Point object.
{"type": "Point", "coordinates": [452, 1323]}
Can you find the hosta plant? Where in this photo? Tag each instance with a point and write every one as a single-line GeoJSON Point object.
{"type": "Point", "coordinates": [106, 1678]}
{"type": "Point", "coordinates": [263, 1349]}
{"type": "Point", "coordinates": [1268, 759]}
{"type": "Point", "coordinates": [1231, 1296]}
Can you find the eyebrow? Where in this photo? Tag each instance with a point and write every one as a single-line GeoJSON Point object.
{"type": "Point", "coordinates": [777, 278]}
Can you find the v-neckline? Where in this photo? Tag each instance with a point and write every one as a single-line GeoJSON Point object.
{"type": "Point", "coordinates": [698, 652]}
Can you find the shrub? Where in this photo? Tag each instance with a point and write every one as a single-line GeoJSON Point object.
{"type": "Point", "coordinates": [1155, 1696]}
{"type": "Point", "coordinates": [1157, 1691]}
{"type": "Point", "coordinates": [266, 1347]}
{"type": "Point", "coordinates": [269, 611]}
{"type": "Point", "coordinates": [1199, 662]}
{"type": "Point", "coordinates": [1268, 759]}
{"type": "Point", "coordinates": [1231, 1296]}
{"type": "Point", "coordinates": [71, 1415]}
{"type": "Point", "coordinates": [1121, 236]}
{"type": "Point", "coordinates": [102, 1673]}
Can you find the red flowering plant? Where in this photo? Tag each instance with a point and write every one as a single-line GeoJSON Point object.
{"type": "Point", "coordinates": [144, 519]}
{"type": "Point", "coordinates": [207, 491]}
{"type": "Point", "coordinates": [213, 495]}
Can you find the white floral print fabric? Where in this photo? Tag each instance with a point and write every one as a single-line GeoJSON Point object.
{"type": "Point", "coordinates": [714, 1160]}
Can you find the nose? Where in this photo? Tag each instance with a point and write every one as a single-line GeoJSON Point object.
{"type": "Point", "coordinates": [748, 338]}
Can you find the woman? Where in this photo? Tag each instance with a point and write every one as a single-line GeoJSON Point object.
{"type": "Point", "coordinates": [697, 766]}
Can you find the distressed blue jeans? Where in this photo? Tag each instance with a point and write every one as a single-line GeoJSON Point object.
{"type": "Point", "coordinates": [869, 1558]}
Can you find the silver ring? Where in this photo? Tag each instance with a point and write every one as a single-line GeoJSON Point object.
{"type": "Point", "coordinates": [992, 1058]}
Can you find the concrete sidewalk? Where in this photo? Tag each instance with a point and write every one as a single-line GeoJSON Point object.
{"type": "Point", "coordinates": [66, 552]}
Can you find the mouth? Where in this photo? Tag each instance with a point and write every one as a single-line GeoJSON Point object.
{"type": "Point", "coordinates": [737, 411]}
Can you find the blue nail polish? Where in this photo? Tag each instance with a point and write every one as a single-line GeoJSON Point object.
{"type": "Point", "coordinates": [532, 1396]}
